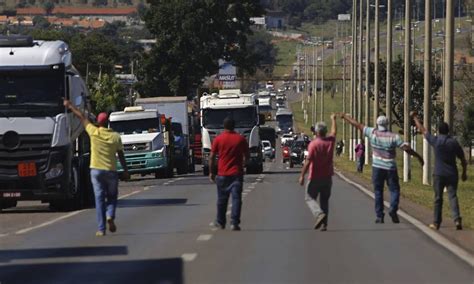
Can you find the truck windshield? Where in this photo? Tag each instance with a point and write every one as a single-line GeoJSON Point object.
{"type": "Point", "coordinates": [177, 129]}
{"type": "Point", "coordinates": [31, 93]}
{"type": "Point", "coordinates": [285, 119]}
{"type": "Point", "coordinates": [136, 126]}
{"type": "Point", "coordinates": [244, 117]}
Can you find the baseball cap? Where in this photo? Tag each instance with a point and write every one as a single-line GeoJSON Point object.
{"type": "Point", "coordinates": [382, 123]}
{"type": "Point", "coordinates": [102, 118]}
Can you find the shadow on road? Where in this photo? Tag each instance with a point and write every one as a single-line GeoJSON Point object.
{"type": "Point", "coordinates": [8, 255]}
{"type": "Point", "coordinates": [169, 271]}
{"type": "Point", "coordinates": [123, 203]}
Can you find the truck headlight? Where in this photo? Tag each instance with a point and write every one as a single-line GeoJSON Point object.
{"type": "Point", "coordinates": [55, 171]}
{"type": "Point", "coordinates": [294, 155]}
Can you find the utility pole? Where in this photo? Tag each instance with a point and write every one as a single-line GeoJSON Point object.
{"type": "Point", "coordinates": [367, 78]}
{"type": "Point", "coordinates": [376, 62]}
{"type": "Point", "coordinates": [322, 85]}
{"type": "Point", "coordinates": [407, 91]}
{"type": "Point", "coordinates": [388, 87]}
{"type": "Point", "coordinates": [449, 64]}
{"type": "Point", "coordinates": [344, 94]}
{"type": "Point", "coordinates": [427, 93]}
{"type": "Point", "coordinates": [353, 74]}
{"type": "Point", "coordinates": [313, 93]}
{"type": "Point", "coordinates": [359, 95]}
{"type": "Point", "coordinates": [316, 88]}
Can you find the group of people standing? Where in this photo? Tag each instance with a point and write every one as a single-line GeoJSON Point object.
{"type": "Point", "coordinates": [232, 151]}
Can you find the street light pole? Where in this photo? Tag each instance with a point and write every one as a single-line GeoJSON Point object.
{"type": "Point", "coordinates": [322, 85]}
{"type": "Point", "coordinates": [388, 87]}
{"type": "Point", "coordinates": [427, 93]}
{"type": "Point", "coordinates": [353, 74]}
{"type": "Point", "coordinates": [376, 62]}
{"type": "Point", "coordinates": [449, 64]}
{"type": "Point", "coordinates": [407, 91]}
{"type": "Point", "coordinates": [359, 94]}
{"type": "Point", "coordinates": [367, 77]}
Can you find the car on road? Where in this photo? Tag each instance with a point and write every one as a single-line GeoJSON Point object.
{"type": "Point", "coordinates": [285, 138]}
{"type": "Point", "coordinates": [298, 152]}
{"type": "Point", "coordinates": [280, 103]}
{"type": "Point", "coordinates": [267, 150]}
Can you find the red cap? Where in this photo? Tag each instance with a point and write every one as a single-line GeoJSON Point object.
{"type": "Point", "coordinates": [102, 118]}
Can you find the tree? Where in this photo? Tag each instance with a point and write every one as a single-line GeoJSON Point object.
{"type": "Point", "coordinates": [107, 95]}
{"type": "Point", "coordinates": [467, 134]}
{"type": "Point", "coordinates": [417, 87]}
{"type": "Point", "coordinates": [48, 7]}
{"type": "Point", "coordinates": [40, 22]}
{"type": "Point", "coordinates": [191, 37]}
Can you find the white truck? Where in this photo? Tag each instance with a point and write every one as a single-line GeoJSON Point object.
{"type": "Point", "coordinates": [44, 150]}
{"type": "Point", "coordinates": [265, 105]}
{"type": "Point", "coordinates": [145, 141]}
{"type": "Point", "coordinates": [243, 108]}
{"type": "Point", "coordinates": [179, 110]}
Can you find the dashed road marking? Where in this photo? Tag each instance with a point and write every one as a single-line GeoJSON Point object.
{"type": "Point", "coordinates": [204, 238]}
{"type": "Point", "coordinates": [130, 194]}
{"type": "Point", "coordinates": [188, 257]}
{"type": "Point", "coordinates": [228, 212]}
{"type": "Point", "coordinates": [26, 230]}
{"type": "Point", "coordinates": [146, 188]}
{"type": "Point", "coordinates": [3, 235]}
{"type": "Point", "coordinates": [247, 191]}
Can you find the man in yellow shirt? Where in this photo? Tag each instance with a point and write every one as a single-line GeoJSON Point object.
{"type": "Point", "coordinates": [105, 146]}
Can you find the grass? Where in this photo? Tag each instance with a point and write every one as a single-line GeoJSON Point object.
{"type": "Point", "coordinates": [286, 57]}
{"type": "Point", "coordinates": [413, 190]}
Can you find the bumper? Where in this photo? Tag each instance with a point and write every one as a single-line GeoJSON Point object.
{"type": "Point", "coordinates": [143, 163]}
{"type": "Point", "coordinates": [43, 186]}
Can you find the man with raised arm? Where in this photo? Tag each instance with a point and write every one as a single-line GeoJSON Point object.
{"type": "Point", "coordinates": [384, 167]}
{"type": "Point", "coordinates": [446, 150]}
{"type": "Point", "coordinates": [319, 162]}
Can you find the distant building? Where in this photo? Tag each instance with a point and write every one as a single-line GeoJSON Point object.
{"type": "Point", "coordinates": [275, 20]}
{"type": "Point", "coordinates": [106, 14]}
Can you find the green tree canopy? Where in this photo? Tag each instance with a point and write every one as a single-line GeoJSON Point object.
{"type": "Point", "coordinates": [191, 37]}
{"type": "Point", "coordinates": [107, 95]}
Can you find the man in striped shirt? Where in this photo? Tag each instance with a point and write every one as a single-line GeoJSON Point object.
{"type": "Point", "coordinates": [384, 167]}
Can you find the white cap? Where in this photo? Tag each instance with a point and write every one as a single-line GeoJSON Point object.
{"type": "Point", "coordinates": [382, 123]}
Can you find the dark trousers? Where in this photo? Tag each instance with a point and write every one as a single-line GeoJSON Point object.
{"type": "Point", "coordinates": [227, 186]}
{"type": "Point", "coordinates": [451, 184]}
{"type": "Point", "coordinates": [360, 164]}
{"type": "Point", "coordinates": [323, 189]}
{"type": "Point", "coordinates": [379, 177]}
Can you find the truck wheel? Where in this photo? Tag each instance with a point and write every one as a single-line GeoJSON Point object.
{"type": "Point", "coordinates": [169, 172]}
{"type": "Point", "coordinates": [4, 204]}
{"type": "Point", "coordinates": [182, 169]}
{"type": "Point", "coordinates": [76, 200]}
{"type": "Point", "coordinates": [260, 169]}
{"type": "Point", "coordinates": [205, 171]}
{"type": "Point", "coordinates": [291, 164]}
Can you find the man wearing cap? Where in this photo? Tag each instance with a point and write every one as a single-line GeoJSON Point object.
{"type": "Point", "coordinates": [105, 146]}
{"type": "Point", "coordinates": [319, 161]}
{"type": "Point", "coordinates": [446, 150]}
{"type": "Point", "coordinates": [384, 167]}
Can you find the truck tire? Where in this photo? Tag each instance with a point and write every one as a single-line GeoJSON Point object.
{"type": "Point", "coordinates": [5, 204]}
{"type": "Point", "coordinates": [76, 201]}
{"type": "Point", "coordinates": [291, 164]}
{"type": "Point", "coordinates": [205, 171]}
{"type": "Point", "coordinates": [182, 168]}
{"type": "Point", "coordinates": [260, 169]}
{"type": "Point", "coordinates": [169, 172]}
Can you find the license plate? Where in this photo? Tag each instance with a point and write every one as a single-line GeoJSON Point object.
{"type": "Point", "coordinates": [27, 169]}
{"type": "Point", "coordinates": [11, 194]}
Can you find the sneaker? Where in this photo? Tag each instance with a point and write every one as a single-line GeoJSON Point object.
{"type": "Point", "coordinates": [434, 226]}
{"type": "Point", "coordinates": [235, 227]}
{"type": "Point", "coordinates": [319, 221]}
{"type": "Point", "coordinates": [111, 225]}
{"type": "Point", "coordinates": [217, 225]}
{"type": "Point", "coordinates": [324, 228]}
{"type": "Point", "coordinates": [458, 224]}
{"type": "Point", "coordinates": [379, 220]}
{"type": "Point", "coordinates": [394, 217]}
{"type": "Point", "coordinates": [99, 233]}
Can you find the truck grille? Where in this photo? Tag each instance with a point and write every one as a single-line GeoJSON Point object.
{"type": "Point", "coordinates": [135, 147]}
{"type": "Point", "coordinates": [30, 148]}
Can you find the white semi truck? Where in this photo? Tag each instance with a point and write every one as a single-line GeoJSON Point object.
{"type": "Point", "coordinates": [243, 108]}
{"type": "Point", "coordinates": [178, 109]}
{"type": "Point", "coordinates": [44, 150]}
{"type": "Point", "coordinates": [146, 141]}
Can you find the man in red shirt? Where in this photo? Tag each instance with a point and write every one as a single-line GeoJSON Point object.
{"type": "Point", "coordinates": [232, 151]}
{"type": "Point", "coordinates": [321, 169]}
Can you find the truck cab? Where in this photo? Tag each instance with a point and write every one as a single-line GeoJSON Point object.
{"type": "Point", "coordinates": [146, 141]}
{"type": "Point", "coordinates": [243, 108]}
{"type": "Point", "coordinates": [44, 150]}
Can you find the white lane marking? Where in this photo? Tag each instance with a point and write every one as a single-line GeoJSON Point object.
{"type": "Point", "coordinates": [251, 186]}
{"type": "Point", "coordinates": [244, 194]}
{"type": "Point", "coordinates": [166, 183]}
{"type": "Point", "coordinates": [438, 238]}
{"type": "Point", "coordinates": [3, 235]}
{"type": "Point", "coordinates": [180, 178]}
{"type": "Point", "coordinates": [26, 230]}
{"type": "Point", "coordinates": [188, 257]}
{"type": "Point", "coordinates": [247, 191]}
{"type": "Point", "coordinates": [204, 238]}
{"type": "Point", "coordinates": [228, 212]}
{"type": "Point", "coordinates": [130, 194]}
{"type": "Point", "coordinates": [146, 188]}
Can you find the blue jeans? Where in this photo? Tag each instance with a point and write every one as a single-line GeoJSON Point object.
{"type": "Point", "coordinates": [360, 164]}
{"type": "Point", "coordinates": [105, 185]}
{"type": "Point", "coordinates": [226, 186]}
{"type": "Point", "coordinates": [379, 176]}
{"type": "Point", "coordinates": [451, 184]}
{"type": "Point", "coordinates": [321, 188]}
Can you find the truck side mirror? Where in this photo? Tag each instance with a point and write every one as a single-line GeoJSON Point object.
{"type": "Point", "coordinates": [261, 118]}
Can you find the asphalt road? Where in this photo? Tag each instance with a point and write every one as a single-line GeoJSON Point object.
{"type": "Point", "coordinates": [164, 237]}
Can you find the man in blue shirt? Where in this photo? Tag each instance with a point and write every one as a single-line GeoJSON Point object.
{"type": "Point", "coordinates": [446, 150]}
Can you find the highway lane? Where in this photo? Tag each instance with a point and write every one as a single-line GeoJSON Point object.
{"type": "Point", "coordinates": [163, 237]}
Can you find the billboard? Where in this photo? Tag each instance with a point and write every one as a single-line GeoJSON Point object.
{"type": "Point", "coordinates": [344, 17]}
{"type": "Point", "coordinates": [227, 75]}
